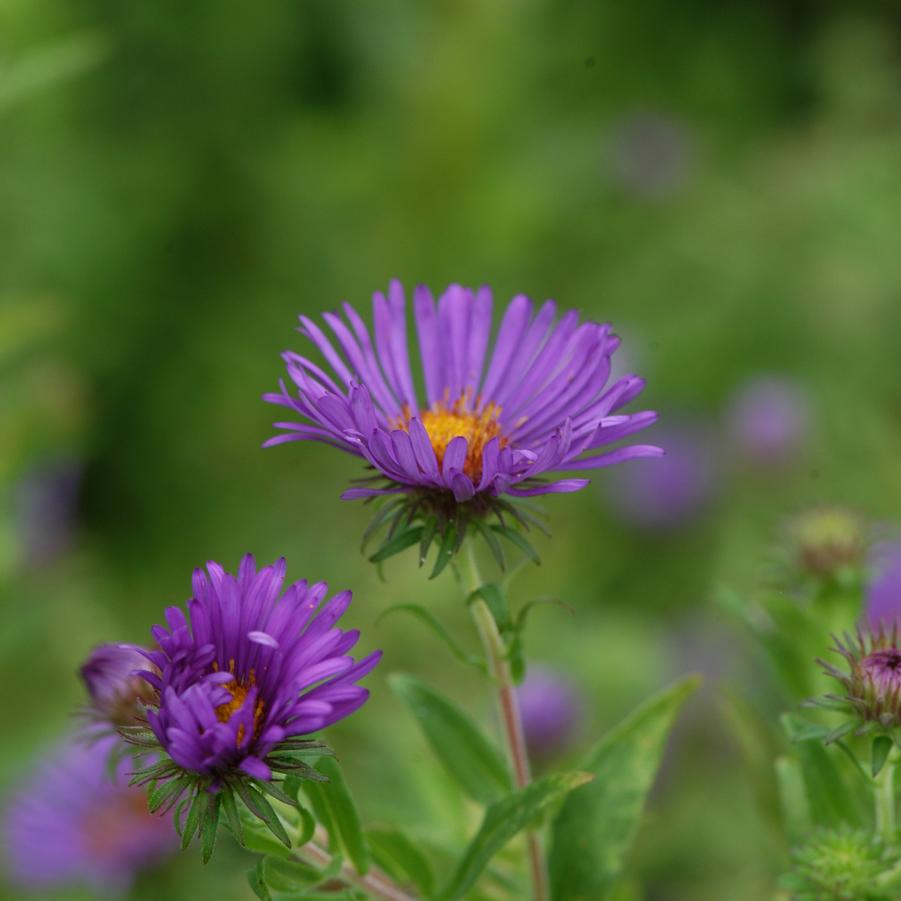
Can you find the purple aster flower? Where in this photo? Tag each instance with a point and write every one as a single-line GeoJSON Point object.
{"type": "Point", "coordinates": [247, 672]}
{"type": "Point", "coordinates": [883, 603]}
{"type": "Point", "coordinates": [496, 422]}
{"type": "Point", "coordinates": [768, 421]}
{"type": "Point", "coordinates": [552, 710]}
{"type": "Point", "coordinates": [75, 822]}
{"type": "Point", "coordinates": [668, 492]}
{"type": "Point", "coordinates": [116, 690]}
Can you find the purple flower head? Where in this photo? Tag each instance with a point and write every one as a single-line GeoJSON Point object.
{"type": "Point", "coordinates": [669, 492]}
{"type": "Point", "coordinates": [768, 421]}
{"type": "Point", "coordinates": [883, 603]}
{"type": "Point", "coordinates": [872, 685]}
{"type": "Point", "coordinates": [490, 422]}
{"type": "Point", "coordinates": [72, 823]}
{"type": "Point", "coordinates": [111, 677]}
{"type": "Point", "coordinates": [248, 671]}
{"type": "Point", "coordinates": [552, 711]}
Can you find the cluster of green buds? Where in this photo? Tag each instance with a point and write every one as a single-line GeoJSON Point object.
{"type": "Point", "coordinates": [844, 865]}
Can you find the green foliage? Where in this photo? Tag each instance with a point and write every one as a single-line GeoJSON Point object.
{"type": "Point", "coordinates": [467, 755]}
{"type": "Point", "coordinates": [594, 828]}
{"type": "Point", "coordinates": [503, 820]}
{"type": "Point", "coordinates": [397, 853]}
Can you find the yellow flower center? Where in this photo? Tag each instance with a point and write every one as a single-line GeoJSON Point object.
{"type": "Point", "coordinates": [444, 422]}
{"type": "Point", "coordinates": [239, 691]}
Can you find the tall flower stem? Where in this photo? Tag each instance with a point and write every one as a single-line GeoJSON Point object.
{"type": "Point", "coordinates": [496, 654]}
{"type": "Point", "coordinates": [884, 789]}
{"type": "Point", "coordinates": [375, 882]}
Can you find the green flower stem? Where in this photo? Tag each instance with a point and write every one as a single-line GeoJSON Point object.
{"type": "Point", "coordinates": [884, 790]}
{"type": "Point", "coordinates": [375, 882]}
{"type": "Point", "coordinates": [496, 654]}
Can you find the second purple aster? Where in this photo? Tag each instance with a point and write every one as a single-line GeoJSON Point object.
{"type": "Point", "coordinates": [246, 677]}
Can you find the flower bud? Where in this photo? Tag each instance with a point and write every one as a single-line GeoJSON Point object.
{"type": "Point", "coordinates": [116, 691]}
{"type": "Point", "coordinates": [829, 542]}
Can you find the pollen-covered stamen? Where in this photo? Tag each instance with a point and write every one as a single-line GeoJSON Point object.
{"type": "Point", "coordinates": [239, 689]}
{"type": "Point", "coordinates": [466, 417]}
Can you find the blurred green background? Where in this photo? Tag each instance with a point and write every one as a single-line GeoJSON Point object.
{"type": "Point", "coordinates": [179, 180]}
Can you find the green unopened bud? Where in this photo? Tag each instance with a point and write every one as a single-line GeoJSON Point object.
{"type": "Point", "coordinates": [844, 865]}
{"type": "Point", "coordinates": [829, 542]}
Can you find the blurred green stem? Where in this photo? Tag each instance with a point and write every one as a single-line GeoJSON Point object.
{"type": "Point", "coordinates": [375, 883]}
{"type": "Point", "coordinates": [885, 800]}
{"type": "Point", "coordinates": [499, 667]}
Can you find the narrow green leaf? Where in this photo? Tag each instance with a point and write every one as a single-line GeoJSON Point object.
{"type": "Point", "coordinates": [257, 882]}
{"type": "Point", "coordinates": [832, 801]}
{"type": "Point", "coordinates": [344, 814]}
{"type": "Point", "coordinates": [467, 755]}
{"type": "Point", "coordinates": [401, 857]}
{"type": "Point", "coordinates": [169, 791]}
{"type": "Point", "coordinates": [882, 746]}
{"type": "Point", "coordinates": [502, 821]}
{"type": "Point", "coordinates": [284, 874]}
{"type": "Point", "coordinates": [257, 804]}
{"type": "Point", "coordinates": [793, 799]}
{"type": "Point", "coordinates": [232, 817]}
{"type": "Point", "coordinates": [492, 595]}
{"type": "Point", "coordinates": [397, 544]}
{"type": "Point", "coordinates": [496, 548]}
{"type": "Point", "coordinates": [426, 616]}
{"type": "Point", "coordinates": [429, 528]}
{"type": "Point", "coordinates": [210, 826]}
{"type": "Point", "coordinates": [445, 551]}
{"type": "Point", "coordinates": [517, 538]}
{"type": "Point", "coordinates": [379, 519]}
{"type": "Point", "coordinates": [595, 826]}
{"type": "Point", "coordinates": [198, 802]}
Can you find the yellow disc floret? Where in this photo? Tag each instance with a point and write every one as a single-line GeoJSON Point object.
{"type": "Point", "coordinates": [476, 423]}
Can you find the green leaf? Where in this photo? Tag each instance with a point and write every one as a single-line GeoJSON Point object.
{"type": "Point", "coordinates": [446, 550]}
{"type": "Point", "coordinates": [426, 616]}
{"type": "Point", "coordinates": [195, 815]}
{"type": "Point", "coordinates": [496, 548]}
{"type": "Point", "coordinates": [169, 791]}
{"type": "Point", "coordinates": [502, 821]}
{"type": "Point", "coordinates": [517, 538]}
{"type": "Point", "coordinates": [429, 528]}
{"type": "Point", "coordinates": [257, 804]}
{"type": "Point", "coordinates": [596, 826]}
{"type": "Point", "coordinates": [401, 857]}
{"type": "Point", "coordinates": [380, 518]}
{"type": "Point", "coordinates": [882, 746]}
{"type": "Point", "coordinates": [257, 882]}
{"type": "Point", "coordinates": [832, 801]}
{"type": "Point", "coordinates": [210, 826]}
{"type": "Point", "coordinates": [336, 797]}
{"type": "Point", "coordinates": [492, 595]}
{"type": "Point", "coordinates": [232, 817]}
{"type": "Point", "coordinates": [290, 874]}
{"type": "Point", "coordinates": [466, 754]}
{"type": "Point", "coordinates": [397, 544]}
{"type": "Point", "coordinates": [793, 799]}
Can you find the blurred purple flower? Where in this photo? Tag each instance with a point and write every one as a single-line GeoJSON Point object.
{"type": "Point", "coordinates": [671, 491]}
{"type": "Point", "coordinates": [552, 711]}
{"type": "Point", "coordinates": [46, 504]}
{"type": "Point", "coordinates": [768, 420]}
{"type": "Point", "coordinates": [72, 823]}
{"type": "Point", "coordinates": [116, 691]}
{"type": "Point", "coordinates": [650, 154]}
{"type": "Point", "coordinates": [883, 600]}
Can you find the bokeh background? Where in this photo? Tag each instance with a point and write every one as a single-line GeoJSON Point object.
{"type": "Point", "coordinates": [179, 180]}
